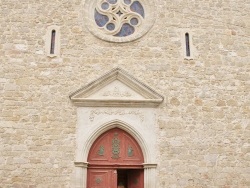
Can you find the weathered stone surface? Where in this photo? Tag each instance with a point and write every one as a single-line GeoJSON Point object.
{"type": "Point", "coordinates": [203, 126]}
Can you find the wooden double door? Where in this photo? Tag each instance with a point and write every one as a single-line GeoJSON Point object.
{"type": "Point", "coordinates": [115, 178]}
{"type": "Point", "coordinates": [115, 161]}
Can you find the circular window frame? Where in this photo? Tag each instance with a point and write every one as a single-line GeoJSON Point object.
{"type": "Point", "coordinates": [149, 19]}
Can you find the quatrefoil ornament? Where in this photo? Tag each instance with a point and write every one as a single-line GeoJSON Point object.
{"type": "Point", "coordinates": [119, 20]}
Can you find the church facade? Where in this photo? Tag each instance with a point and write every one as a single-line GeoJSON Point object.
{"type": "Point", "coordinates": [125, 94]}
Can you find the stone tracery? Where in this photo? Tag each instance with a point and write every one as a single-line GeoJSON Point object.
{"type": "Point", "coordinates": [119, 18]}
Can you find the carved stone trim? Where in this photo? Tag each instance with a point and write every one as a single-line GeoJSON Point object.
{"type": "Point", "coordinates": [95, 113]}
{"type": "Point", "coordinates": [117, 93]}
{"type": "Point", "coordinates": [145, 24]}
{"type": "Point", "coordinates": [147, 149]}
{"type": "Point", "coordinates": [81, 164]}
{"type": "Point", "coordinates": [149, 165]}
{"type": "Point", "coordinates": [117, 103]}
{"type": "Point", "coordinates": [151, 97]}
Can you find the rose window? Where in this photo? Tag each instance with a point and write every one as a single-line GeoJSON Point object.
{"type": "Point", "coordinates": [119, 20]}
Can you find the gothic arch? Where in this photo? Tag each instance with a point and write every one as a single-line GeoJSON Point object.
{"type": "Point", "coordinates": [115, 158]}
{"type": "Point", "coordinates": [82, 164]}
{"type": "Point", "coordinates": [115, 124]}
{"type": "Point", "coordinates": [116, 100]}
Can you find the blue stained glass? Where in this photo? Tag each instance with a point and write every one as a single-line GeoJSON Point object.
{"type": "Point", "coordinates": [112, 1]}
{"type": "Point", "coordinates": [105, 6]}
{"type": "Point", "coordinates": [127, 2]}
{"type": "Point", "coordinates": [100, 19]}
{"type": "Point", "coordinates": [110, 26]}
{"type": "Point", "coordinates": [137, 7]}
{"type": "Point", "coordinates": [134, 21]}
{"type": "Point", "coordinates": [126, 30]}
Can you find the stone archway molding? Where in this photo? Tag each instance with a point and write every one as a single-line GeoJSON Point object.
{"type": "Point", "coordinates": [115, 124]}
{"type": "Point", "coordinates": [116, 99]}
{"type": "Point", "coordinates": [82, 164]}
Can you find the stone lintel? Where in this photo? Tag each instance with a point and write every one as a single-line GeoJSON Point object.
{"type": "Point", "coordinates": [81, 164]}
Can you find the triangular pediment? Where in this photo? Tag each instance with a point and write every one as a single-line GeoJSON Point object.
{"type": "Point", "coordinates": [116, 88]}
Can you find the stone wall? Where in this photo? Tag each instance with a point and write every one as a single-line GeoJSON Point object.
{"type": "Point", "coordinates": [203, 124]}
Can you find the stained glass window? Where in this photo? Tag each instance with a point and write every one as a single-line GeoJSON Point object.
{"type": "Point", "coordinates": [119, 18]}
{"type": "Point", "coordinates": [137, 7]}
{"type": "Point", "coordinates": [126, 30]}
{"type": "Point", "coordinates": [100, 19]}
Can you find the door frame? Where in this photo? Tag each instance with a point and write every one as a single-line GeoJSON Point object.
{"type": "Point", "coordinates": [115, 168]}
{"type": "Point", "coordinates": [149, 164]}
{"type": "Point", "coordinates": [104, 167]}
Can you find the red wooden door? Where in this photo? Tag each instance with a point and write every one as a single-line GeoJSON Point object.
{"type": "Point", "coordinates": [102, 178]}
{"type": "Point", "coordinates": [114, 150]}
{"type": "Point", "coordinates": [135, 178]}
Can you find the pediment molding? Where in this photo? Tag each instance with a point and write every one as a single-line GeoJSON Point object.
{"type": "Point", "coordinates": [116, 88]}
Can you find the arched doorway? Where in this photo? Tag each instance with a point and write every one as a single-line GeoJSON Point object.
{"type": "Point", "coordinates": [115, 160]}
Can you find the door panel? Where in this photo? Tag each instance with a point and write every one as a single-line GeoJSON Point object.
{"type": "Point", "coordinates": [135, 179]}
{"type": "Point", "coordinates": [102, 178]}
{"type": "Point", "coordinates": [115, 147]}
{"type": "Point", "coordinates": [115, 156]}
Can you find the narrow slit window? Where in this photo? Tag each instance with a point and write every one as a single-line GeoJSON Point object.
{"type": "Point", "coordinates": [187, 45]}
{"type": "Point", "coordinates": [53, 40]}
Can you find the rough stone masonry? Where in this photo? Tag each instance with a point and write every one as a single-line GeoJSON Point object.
{"type": "Point", "coordinates": [203, 125]}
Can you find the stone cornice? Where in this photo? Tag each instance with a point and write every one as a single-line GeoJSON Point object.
{"type": "Point", "coordinates": [149, 165]}
{"type": "Point", "coordinates": [149, 97]}
{"type": "Point", "coordinates": [81, 164]}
